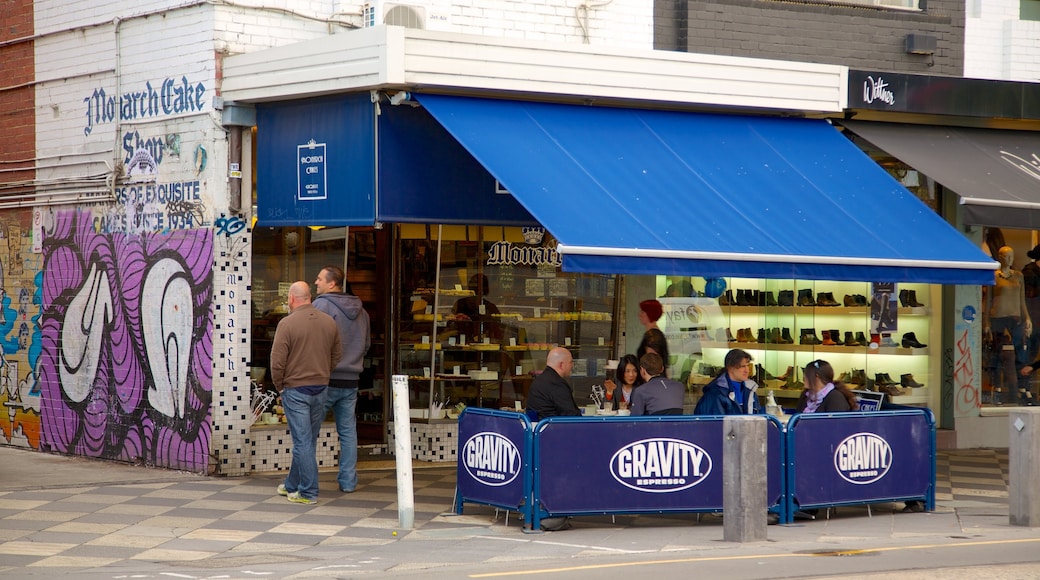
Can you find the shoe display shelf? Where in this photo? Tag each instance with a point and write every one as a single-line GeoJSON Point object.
{"type": "Point", "coordinates": [912, 316]}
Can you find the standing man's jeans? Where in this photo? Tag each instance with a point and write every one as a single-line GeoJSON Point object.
{"type": "Point", "coordinates": [342, 399]}
{"type": "Point", "coordinates": [304, 413]}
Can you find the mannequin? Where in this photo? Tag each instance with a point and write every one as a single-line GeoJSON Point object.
{"type": "Point", "coordinates": [1005, 315]}
{"type": "Point", "coordinates": [1031, 277]}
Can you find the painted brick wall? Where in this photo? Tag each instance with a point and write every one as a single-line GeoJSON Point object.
{"type": "Point", "coordinates": [625, 23]}
{"type": "Point", "coordinates": [17, 113]}
{"type": "Point", "coordinates": [998, 45]}
{"type": "Point", "coordinates": [863, 38]}
{"type": "Point", "coordinates": [120, 358]}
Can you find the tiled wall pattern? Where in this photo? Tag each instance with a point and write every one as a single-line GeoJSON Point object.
{"type": "Point", "coordinates": [271, 447]}
{"type": "Point", "coordinates": [232, 412]}
{"type": "Point", "coordinates": [430, 441]}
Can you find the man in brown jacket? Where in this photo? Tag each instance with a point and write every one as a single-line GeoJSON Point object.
{"type": "Point", "coordinates": [306, 349]}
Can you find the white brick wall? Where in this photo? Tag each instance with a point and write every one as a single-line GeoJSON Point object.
{"type": "Point", "coordinates": [621, 23]}
{"type": "Point", "coordinates": [997, 45]}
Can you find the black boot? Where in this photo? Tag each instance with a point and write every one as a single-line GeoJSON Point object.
{"type": "Point", "coordinates": [903, 297]}
{"type": "Point", "coordinates": [742, 297]}
{"type": "Point", "coordinates": [850, 340]}
{"type": "Point", "coordinates": [726, 299]}
{"type": "Point", "coordinates": [911, 299]}
{"type": "Point", "coordinates": [786, 298]}
{"type": "Point", "coordinates": [809, 337]}
{"type": "Point", "coordinates": [785, 336]}
{"type": "Point", "coordinates": [770, 301]}
{"type": "Point", "coordinates": [836, 337]}
{"type": "Point", "coordinates": [805, 298]}
{"type": "Point", "coordinates": [907, 380]}
{"type": "Point", "coordinates": [910, 341]}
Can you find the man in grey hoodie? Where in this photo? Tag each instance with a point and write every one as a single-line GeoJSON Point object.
{"type": "Point", "coordinates": [352, 321]}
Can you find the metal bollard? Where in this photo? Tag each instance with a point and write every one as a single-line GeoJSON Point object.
{"type": "Point", "coordinates": [403, 453]}
{"type": "Point", "coordinates": [744, 478]}
{"type": "Point", "coordinates": [1024, 467]}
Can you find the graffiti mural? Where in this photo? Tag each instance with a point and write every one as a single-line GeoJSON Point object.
{"type": "Point", "coordinates": [124, 369]}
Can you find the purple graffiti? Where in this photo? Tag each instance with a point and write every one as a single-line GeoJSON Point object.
{"type": "Point", "coordinates": [126, 367]}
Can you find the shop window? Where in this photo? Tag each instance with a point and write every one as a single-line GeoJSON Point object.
{"type": "Point", "coordinates": [879, 337]}
{"type": "Point", "coordinates": [284, 255]}
{"type": "Point", "coordinates": [481, 306]}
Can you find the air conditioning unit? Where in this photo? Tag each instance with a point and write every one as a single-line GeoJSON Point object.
{"type": "Point", "coordinates": [394, 14]}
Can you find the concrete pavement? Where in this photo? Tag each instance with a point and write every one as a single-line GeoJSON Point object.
{"type": "Point", "coordinates": [62, 515]}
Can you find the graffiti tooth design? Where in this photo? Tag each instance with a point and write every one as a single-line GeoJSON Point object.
{"type": "Point", "coordinates": [125, 344]}
{"type": "Point", "coordinates": [167, 335]}
{"type": "Point", "coordinates": [85, 320]}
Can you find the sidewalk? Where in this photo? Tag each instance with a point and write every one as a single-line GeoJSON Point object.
{"type": "Point", "coordinates": [70, 515]}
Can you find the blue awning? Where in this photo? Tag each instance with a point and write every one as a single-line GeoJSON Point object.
{"type": "Point", "coordinates": [663, 192]}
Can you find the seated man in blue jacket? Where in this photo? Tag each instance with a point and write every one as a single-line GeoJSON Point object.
{"type": "Point", "coordinates": [732, 392]}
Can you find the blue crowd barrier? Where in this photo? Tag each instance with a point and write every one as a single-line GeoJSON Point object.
{"type": "Point", "coordinates": [632, 465]}
{"type": "Point", "coordinates": [857, 458]}
{"type": "Point", "coordinates": [494, 460]}
{"type": "Point", "coordinates": [564, 466]}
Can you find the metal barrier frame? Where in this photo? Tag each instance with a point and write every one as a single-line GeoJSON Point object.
{"type": "Point", "coordinates": [890, 411]}
{"type": "Point", "coordinates": [524, 507]}
{"type": "Point", "coordinates": [539, 511]}
{"type": "Point", "coordinates": [532, 509]}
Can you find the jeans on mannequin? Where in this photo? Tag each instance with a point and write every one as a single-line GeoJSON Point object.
{"type": "Point", "coordinates": [1013, 383]}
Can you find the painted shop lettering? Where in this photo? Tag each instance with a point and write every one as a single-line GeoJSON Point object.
{"type": "Point", "coordinates": [132, 142]}
{"type": "Point", "coordinates": [174, 96]}
{"type": "Point", "coordinates": [161, 192]}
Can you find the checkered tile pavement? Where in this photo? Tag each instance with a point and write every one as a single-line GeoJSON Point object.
{"type": "Point", "coordinates": [190, 521]}
{"type": "Point", "coordinates": [88, 527]}
{"type": "Point", "coordinates": [972, 475]}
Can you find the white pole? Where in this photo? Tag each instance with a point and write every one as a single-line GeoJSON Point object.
{"type": "Point", "coordinates": [403, 453]}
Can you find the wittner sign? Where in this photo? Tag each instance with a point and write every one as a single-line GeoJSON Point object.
{"type": "Point", "coordinates": [876, 89]}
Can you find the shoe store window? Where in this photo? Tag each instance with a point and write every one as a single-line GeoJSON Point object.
{"type": "Point", "coordinates": [876, 335]}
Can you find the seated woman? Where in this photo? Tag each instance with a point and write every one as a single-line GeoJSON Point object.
{"type": "Point", "coordinates": [627, 379]}
{"type": "Point", "coordinates": [822, 393]}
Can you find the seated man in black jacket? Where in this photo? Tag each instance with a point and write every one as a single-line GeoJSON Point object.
{"type": "Point", "coordinates": [658, 395]}
{"type": "Point", "coordinates": [551, 394]}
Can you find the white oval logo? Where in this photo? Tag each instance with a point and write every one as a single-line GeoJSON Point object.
{"type": "Point", "coordinates": [491, 459]}
{"type": "Point", "coordinates": [660, 465]}
{"type": "Point", "coordinates": [863, 458]}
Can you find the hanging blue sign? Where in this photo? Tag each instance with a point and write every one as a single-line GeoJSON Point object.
{"type": "Point", "coordinates": [316, 161]}
{"type": "Point", "coordinates": [312, 179]}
